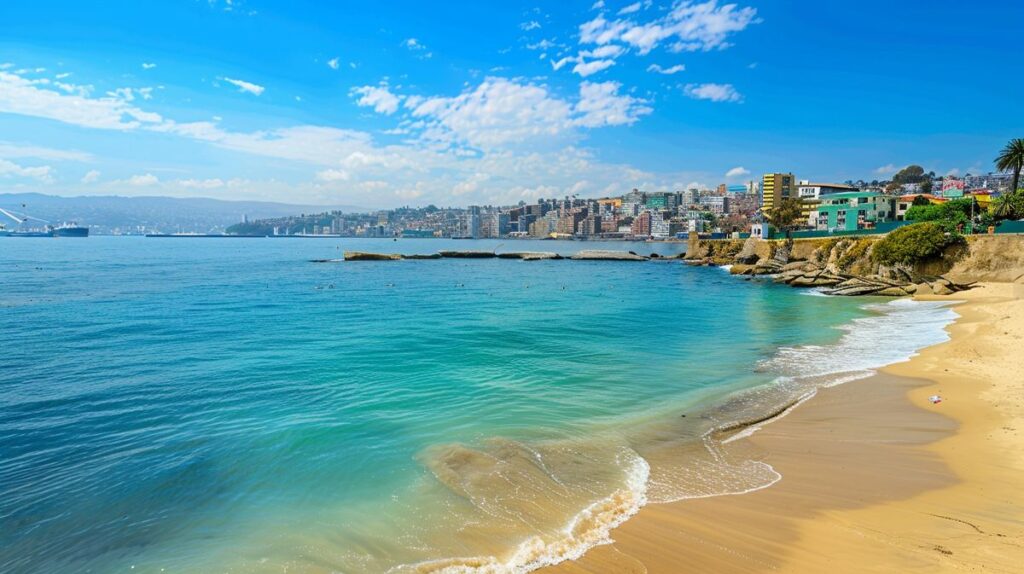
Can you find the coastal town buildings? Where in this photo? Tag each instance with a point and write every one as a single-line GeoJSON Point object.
{"type": "Point", "coordinates": [852, 211]}
{"type": "Point", "coordinates": [655, 214]}
{"type": "Point", "coordinates": [776, 187]}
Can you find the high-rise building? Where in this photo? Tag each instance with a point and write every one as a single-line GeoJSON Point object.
{"type": "Point", "coordinates": [774, 188]}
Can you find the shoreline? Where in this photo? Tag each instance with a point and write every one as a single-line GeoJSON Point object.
{"type": "Point", "coordinates": [874, 476]}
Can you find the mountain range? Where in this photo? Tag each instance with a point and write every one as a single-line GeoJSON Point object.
{"type": "Point", "coordinates": [118, 214]}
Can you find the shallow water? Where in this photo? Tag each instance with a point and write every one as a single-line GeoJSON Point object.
{"type": "Point", "coordinates": [195, 405]}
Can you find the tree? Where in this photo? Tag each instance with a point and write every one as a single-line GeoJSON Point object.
{"type": "Point", "coordinates": [1012, 159]}
{"type": "Point", "coordinates": [926, 186]}
{"type": "Point", "coordinates": [787, 217]}
{"type": "Point", "coordinates": [921, 200]}
{"type": "Point", "coordinates": [910, 174]}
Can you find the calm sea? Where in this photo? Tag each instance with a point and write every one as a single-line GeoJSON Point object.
{"type": "Point", "coordinates": [225, 405]}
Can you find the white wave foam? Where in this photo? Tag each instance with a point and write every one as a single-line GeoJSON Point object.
{"type": "Point", "coordinates": [591, 527]}
{"type": "Point", "coordinates": [725, 268]}
{"type": "Point", "coordinates": [894, 334]}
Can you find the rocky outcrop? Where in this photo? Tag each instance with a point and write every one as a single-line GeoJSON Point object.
{"type": "Point", "coordinates": [363, 256]}
{"type": "Point", "coordinates": [530, 255]}
{"type": "Point", "coordinates": [603, 255]}
{"type": "Point", "coordinates": [840, 266]}
{"type": "Point", "coordinates": [469, 254]}
{"type": "Point", "coordinates": [422, 256]}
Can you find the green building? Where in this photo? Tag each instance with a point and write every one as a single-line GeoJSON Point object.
{"type": "Point", "coordinates": [851, 211]}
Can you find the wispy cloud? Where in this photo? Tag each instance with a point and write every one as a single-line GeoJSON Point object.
{"type": "Point", "coordinates": [713, 92]}
{"type": "Point", "coordinates": [667, 71]}
{"type": "Point", "coordinates": [417, 47]}
{"type": "Point", "coordinates": [737, 172]}
{"type": "Point", "coordinates": [92, 176]}
{"type": "Point", "coordinates": [531, 25]}
{"type": "Point", "coordinates": [148, 65]}
{"type": "Point", "coordinates": [887, 169]}
{"type": "Point", "coordinates": [143, 180]}
{"type": "Point", "coordinates": [40, 173]}
{"type": "Point", "coordinates": [10, 150]}
{"type": "Point", "coordinates": [333, 63]}
{"type": "Point", "coordinates": [243, 86]}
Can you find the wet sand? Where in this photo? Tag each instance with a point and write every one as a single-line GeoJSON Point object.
{"type": "Point", "coordinates": [875, 477]}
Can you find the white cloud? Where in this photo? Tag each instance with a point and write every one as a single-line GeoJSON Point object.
{"type": "Point", "coordinates": [497, 111]}
{"type": "Point", "coordinates": [148, 65]}
{"type": "Point", "coordinates": [10, 150]}
{"type": "Point", "coordinates": [737, 172]}
{"type": "Point", "coordinates": [667, 71]}
{"type": "Point", "coordinates": [531, 25]}
{"type": "Point", "coordinates": [592, 67]}
{"type": "Point", "coordinates": [333, 63]}
{"type": "Point", "coordinates": [953, 172]}
{"type": "Point", "coordinates": [39, 173]}
{"type": "Point", "coordinates": [713, 92]}
{"type": "Point", "coordinates": [244, 86]}
{"type": "Point", "coordinates": [888, 169]}
{"type": "Point", "coordinates": [601, 105]}
{"type": "Point", "coordinates": [379, 98]}
{"type": "Point", "coordinates": [417, 47]}
{"type": "Point", "coordinates": [27, 97]}
{"type": "Point", "coordinates": [92, 176]}
{"type": "Point", "coordinates": [143, 180]}
{"type": "Point", "coordinates": [688, 25]}
{"type": "Point", "coordinates": [213, 183]}
{"type": "Point", "coordinates": [333, 175]}
{"type": "Point", "coordinates": [597, 5]}
{"type": "Point", "coordinates": [635, 7]}
{"type": "Point", "coordinates": [518, 132]}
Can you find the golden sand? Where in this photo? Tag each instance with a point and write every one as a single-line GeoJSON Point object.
{"type": "Point", "coordinates": [876, 478]}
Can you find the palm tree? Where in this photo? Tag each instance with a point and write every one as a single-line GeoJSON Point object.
{"type": "Point", "coordinates": [1012, 158]}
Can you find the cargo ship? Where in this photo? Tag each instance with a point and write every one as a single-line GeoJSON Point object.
{"type": "Point", "coordinates": [70, 229]}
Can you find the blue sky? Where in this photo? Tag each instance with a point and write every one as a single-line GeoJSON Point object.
{"type": "Point", "coordinates": [392, 103]}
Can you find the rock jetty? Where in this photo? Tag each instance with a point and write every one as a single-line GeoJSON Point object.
{"type": "Point", "coordinates": [530, 255]}
{"type": "Point", "coordinates": [363, 256]}
{"type": "Point", "coordinates": [469, 254]}
{"type": "Point", "coordinates": [603, 255]}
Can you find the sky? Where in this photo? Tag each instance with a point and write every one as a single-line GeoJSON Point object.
{"type": "Point", "coordinates": [383, 104]}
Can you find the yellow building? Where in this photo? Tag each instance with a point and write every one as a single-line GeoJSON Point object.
{"type": "Point", "coordinates": [774, 188]}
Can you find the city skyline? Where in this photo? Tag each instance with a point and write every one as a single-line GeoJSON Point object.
{"type": "Point", "coordinates": [381, 106]}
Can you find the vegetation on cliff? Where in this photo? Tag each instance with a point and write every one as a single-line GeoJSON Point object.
{"type": "Point", "coordinates": [913, 244]}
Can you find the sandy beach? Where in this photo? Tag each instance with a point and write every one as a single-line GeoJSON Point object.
{"type": "Point", "coordinates": [876, 478]}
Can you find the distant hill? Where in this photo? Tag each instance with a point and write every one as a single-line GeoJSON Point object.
{"type": "Point", "coordinates": [111, 213]}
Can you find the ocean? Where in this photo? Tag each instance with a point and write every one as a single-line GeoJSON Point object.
{"type": "Point", "coordinates": [226, 405]}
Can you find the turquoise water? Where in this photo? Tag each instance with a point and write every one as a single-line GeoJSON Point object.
{"type": "Point", "coordinates": [206, 405]}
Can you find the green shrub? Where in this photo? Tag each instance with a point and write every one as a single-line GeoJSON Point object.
{"type": "Point", "coordinates": [912, 243]}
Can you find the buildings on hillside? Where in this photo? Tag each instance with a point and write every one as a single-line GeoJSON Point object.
{"type": "Point", "coordinates": [638, 214]}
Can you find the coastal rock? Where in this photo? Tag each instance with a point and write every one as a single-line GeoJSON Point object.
{"type": "Point", "coordinates": [940, 289]}
{"type": "Point", "coordinates": [603, 255]}
{"type": "Point", "coordinates": [855, 290]}
{"type": "Point", "coordinates": [468, 254]}
{"type": "Point", "coordinates": [892, 292]}
{"type": "Point", "coordinates": [741, 269]}
{"type": "Point", "coordinates": [363, 256]}
{"type": "Point", "coordinates": [529, 255]}
{"type": "Point", "coordinates": [422, 256]}
{"type": "Point", "coordinates": [326, 260]}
